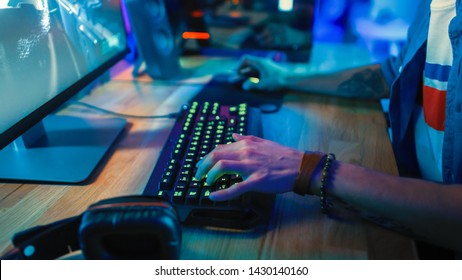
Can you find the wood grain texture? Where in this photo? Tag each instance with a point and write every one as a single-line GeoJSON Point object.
{"type": "Point", "coordinates": [352, 129]}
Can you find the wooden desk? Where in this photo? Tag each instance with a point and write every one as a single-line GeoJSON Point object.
{"type": "Point", "coordinates": [354, 130]}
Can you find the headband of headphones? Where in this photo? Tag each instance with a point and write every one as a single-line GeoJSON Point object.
{"type": "Point", "coordinates": [129, 227]}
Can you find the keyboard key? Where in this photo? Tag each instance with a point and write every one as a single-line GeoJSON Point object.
{"type": "Point", "coordinates": [163, 195]}
{"type": "Point", "coordinates": [195, 184]}
{"type": "Point", "coordinates": [235, 178]}
{"type": "Point", "coordinates": [172, 168]}
{"type": "Point", "coordinates": [192, 196]}
{"type": "Point", "coordinates": [178, 196]}
{"type": "Point", "coordinates": [186, 171]}
{"type": "Point", "coordinates": [222, 182]}
{"type": "Point", "coordinates": [165, 183]}
{"type": "Point", "coordinates": [177, 153]}
{"type": "Point", "coordinates": [181, 186]}
{"type": "Point", "coordinates": [205, 198]}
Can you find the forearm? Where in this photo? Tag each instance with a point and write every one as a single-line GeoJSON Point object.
{"type": "Point", "coordinates": [362, 82]}
{"type": "Point", "coordinates": [422, 209]}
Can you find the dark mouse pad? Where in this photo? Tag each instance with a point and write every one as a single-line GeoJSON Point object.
{"type": "Point", "coordinates": [221, 91]}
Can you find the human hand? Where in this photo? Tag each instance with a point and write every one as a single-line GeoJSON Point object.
{"type": "Point", "coordinates": [265, 166]}
{"type": "Point", "coordinates": [260, 73]}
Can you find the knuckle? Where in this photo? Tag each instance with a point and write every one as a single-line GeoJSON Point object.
{"type": "Point", "coordinates": [253, 138]}
{"type": "Point", "coordinates": [222, 165]}
{"type": "Point", "coordinates": [247, 152]}
{"type": "Point", "coordinates": [247, 141]}
{"type": "Point", "coordinates": [219, 147]}
{"type": "Point", "coordinates": [250, 152]}
{"type": "Point", "coordinates": [214, 156]}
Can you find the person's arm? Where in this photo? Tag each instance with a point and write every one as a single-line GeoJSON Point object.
{"type": "Point", "coordinates": [422, 209]}
{"type": "Point", "coordinates": [360, 82]}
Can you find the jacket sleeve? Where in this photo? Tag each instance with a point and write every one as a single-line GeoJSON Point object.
{"type": "Point", "coordinates": [392, 66]}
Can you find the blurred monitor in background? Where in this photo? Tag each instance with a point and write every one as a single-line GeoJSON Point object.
{"type": "Point", "coordinates": [49, 51]}
{"type": "Point", "coordinates": [275, 28]}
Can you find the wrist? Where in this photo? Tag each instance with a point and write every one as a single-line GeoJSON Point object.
{"type": "Point", "coordinates": [315, 181]}
{"type": "Point", "coordinates": [284, 79]}
{"type": "Point", "coordinates": [310, 164]}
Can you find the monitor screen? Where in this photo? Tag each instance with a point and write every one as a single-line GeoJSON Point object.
{"type": "Point", "coordinates": [49, 50]}
{"type": "Point", "coordinates": [236, 27]}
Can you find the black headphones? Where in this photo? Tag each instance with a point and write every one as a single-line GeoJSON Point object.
{"type": "Point", "coordinates": [128, 227]}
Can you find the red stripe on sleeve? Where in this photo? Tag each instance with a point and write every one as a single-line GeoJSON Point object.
{"type": "Point", "coordinates": [434, 105]}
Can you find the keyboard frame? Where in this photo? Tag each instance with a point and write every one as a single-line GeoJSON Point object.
{"type": "Point", "coordinates": [254, 210]}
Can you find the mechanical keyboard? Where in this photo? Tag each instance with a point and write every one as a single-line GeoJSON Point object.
{"type": "Point", "coordinates": [198, 129]}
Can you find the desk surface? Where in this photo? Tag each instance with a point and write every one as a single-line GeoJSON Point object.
{"type": "Point", "coordinates": [354, 130]}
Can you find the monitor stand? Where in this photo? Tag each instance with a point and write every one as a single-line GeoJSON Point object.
{"type": "Point", "coordinates": [59, 149]}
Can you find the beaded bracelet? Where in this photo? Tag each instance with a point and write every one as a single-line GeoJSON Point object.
{"type": "Point", "coordinates": [322, 189]}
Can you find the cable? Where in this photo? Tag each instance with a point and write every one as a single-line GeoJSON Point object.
{"type": "Point", "coordinates": [169, 116]}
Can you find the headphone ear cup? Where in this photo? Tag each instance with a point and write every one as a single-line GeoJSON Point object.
{"type": "Point", "coordinates": [132, 227]}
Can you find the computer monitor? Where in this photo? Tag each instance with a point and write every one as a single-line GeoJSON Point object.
{"type": "Point", "coordinates": [49, 51]}
{"type": "Point", "coordinates": [278, 28]}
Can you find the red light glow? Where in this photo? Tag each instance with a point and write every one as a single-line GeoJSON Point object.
{"type": "Point", "coordinates": [196, 35]}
